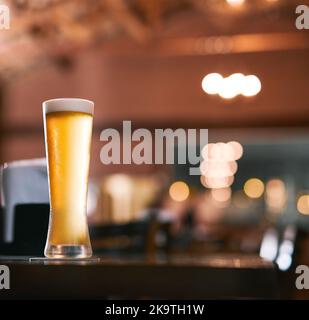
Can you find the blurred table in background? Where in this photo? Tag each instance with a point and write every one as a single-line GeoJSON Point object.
{"type": "Point", "coordinates": [218, 276]}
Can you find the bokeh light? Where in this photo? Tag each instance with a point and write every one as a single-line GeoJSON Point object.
{"type": "Point", "coordinates": [251, 86]}
{"type": "Point", "coordinates": [235, 2]}
{"type": "Point", "coordinates": [275, 195]}
{"type": "Point", "coordinates": [219, 163]}
{"type": "Point", "coordinates": [303, 204]}
{"type": "Point", "coordinates": [228, 89]}
{"type": "Point", "coordinates": [207, 149]}
{"type": "Point", "coordinates": [211, 83]}
{"type": "Point", "coordinates": [237, 149]}
{"type": "Point", "coordinates": [231, 86]}
{"type": "Point", "coordinates": [221, 195]}
{"type": "Point", "coordinates": [230, 151]}
{"type": "Point", "coordinates": [218, 182]}
{"type": "Point", "coordinates": [254, 188]}
{"type": "Point", "coordinates": [179, 191]}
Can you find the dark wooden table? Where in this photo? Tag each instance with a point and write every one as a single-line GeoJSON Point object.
{"type": "Point", "coordinates": [220, 276]}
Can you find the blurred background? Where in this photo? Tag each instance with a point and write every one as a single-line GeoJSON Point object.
{"type": "Point", "coordinates": [237, 67]}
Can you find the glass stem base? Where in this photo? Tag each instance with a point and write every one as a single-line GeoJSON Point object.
{"type": "Point", "coordinates": [68, 251]}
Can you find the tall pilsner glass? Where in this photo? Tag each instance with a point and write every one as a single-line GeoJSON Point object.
{"type": "Point", "coordinates": [68, 129]}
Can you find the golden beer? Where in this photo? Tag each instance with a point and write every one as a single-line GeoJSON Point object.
{"type": "Point", "coordinates": [68, 129]}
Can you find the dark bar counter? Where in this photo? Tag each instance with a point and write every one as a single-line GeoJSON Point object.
{"type": "Point", "coordinates": [211, 277]}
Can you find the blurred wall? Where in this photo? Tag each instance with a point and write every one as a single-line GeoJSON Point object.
{"type": "Point", "coordinates": [156, 92]}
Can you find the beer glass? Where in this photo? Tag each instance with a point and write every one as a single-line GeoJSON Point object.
{"type": "Point", "coordinates": [68, 129]}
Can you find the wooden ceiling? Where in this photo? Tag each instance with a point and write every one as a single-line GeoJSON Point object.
{"type": "Point", "coordinates": [45, 31]}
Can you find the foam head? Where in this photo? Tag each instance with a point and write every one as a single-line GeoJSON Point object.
{"type": "Point", "coordinates": [68, 104]}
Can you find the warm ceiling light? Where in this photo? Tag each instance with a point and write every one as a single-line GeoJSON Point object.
{"type": "Point", "coordinates": [231, 86]}
{"type": "Point", "coordinates": [254, 188]}
{"type": "Point", "coordinates": [179, 191]}
{"type": "Point", "coordinates": [228, 89]}
{"type": "Point", "coordinates": [211, 83]}
{"type": "Point", "coordinates": [251, 86]}
{"type": "Point", "coordinates": [235, 2]}
{"type": "Point", "coordinates": [237, 81]}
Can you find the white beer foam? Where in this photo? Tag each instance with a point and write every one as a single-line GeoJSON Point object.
{"type": "Point", "coordinates": [68, 104]}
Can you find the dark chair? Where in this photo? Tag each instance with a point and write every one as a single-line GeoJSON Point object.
{"type": "Point", "coordinates": [149, 236]}
{"type": "Point", "coordinates": [31, 225]}
{"type": "Point", "coordinates": [116, 239]}
{"type": "Point", "coordinates": [30, 231]}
